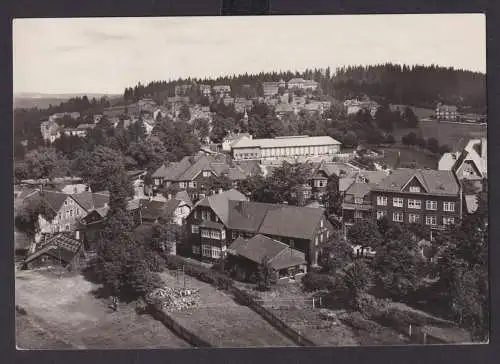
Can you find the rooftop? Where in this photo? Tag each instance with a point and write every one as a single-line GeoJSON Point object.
{"type": "Point", "coordinates": [295, 141]}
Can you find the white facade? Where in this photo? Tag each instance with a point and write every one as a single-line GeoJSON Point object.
{"type": "Point", "coordinates": [286, 147]}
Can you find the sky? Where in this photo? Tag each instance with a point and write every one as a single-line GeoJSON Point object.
{"type": "Point", "coordinates": [105, 55]}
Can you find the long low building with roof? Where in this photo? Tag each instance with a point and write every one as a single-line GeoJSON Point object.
{"type": "Point", "coordinates": [286, 147]}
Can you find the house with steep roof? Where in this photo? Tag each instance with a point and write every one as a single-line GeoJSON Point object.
{"type": "Point", "coordinates": [62, 249]}
{"type": "Point", "coordinates": [419, 196]}
{"type": "Point", "coordinates": [60, 212]}
{"type": "Point", "coordinates": [195, 174]}
{"type": "Point", "coordinates": [357, 204]}
{"type": "Point", "coordinates": [246, 255]}
{"type": "Point", "coordinates": [172, 211]}
{"type": "Point", "coordinates": [218, 220]}
{"type": "Point", "coordinates": [471, 163]}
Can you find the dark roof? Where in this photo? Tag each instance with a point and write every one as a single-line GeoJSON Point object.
{"type": "Point", "coordinates": [435, 182]}
{"type": "Point", "coordinates": [359, 189]}
{"type": "Point", "coordinates": [191, 166]}
{"type": "Point", "coordinates": [237, 213]}
{"type": "Point", "coordinates": [54, 199]}
{"type": "Point", "coordinates": [61, 246]}
{"type": "Point", "coordinates": [257, 248]}
{"type": "Point", "coordinates": [91, 200]}
{"type": "Point", "coordinates": [292, 221]}
{"type": "Point", "coordinates": [153, 210]}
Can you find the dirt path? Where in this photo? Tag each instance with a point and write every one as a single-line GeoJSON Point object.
{"type": "Point", "coordinates": [66, 308]}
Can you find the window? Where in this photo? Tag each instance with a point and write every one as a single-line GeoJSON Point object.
{"type": "Point", "coordinates": [397, 216]}
{"type": "Point", "coordinates": [206, 250]}
{"type": "Point", "coordinates": [195, 229]}
{"type": "Point", "coordinates": [358, 214]}
{"type": "Point", "coordinates": [448, 220]}
{"type": "Point", "coordinates": [413, 218]}
{"type": "Point", "coordinates": [215, 234]}
{"type": "Point", "coordinates": [321, 224]}
{"type": "Point", "coordinates": [358, 200]}
{"type": "Point", "coordinates": [381, 201]}
{"type": "Point", "coordinates": [216, 252]}
{"type": "Point", "coordinates": [67, 227]}
{"type": "Point", "coordinates": [192, 184]}
{"type": "Point", "coordinates": [397, 202]}
{"type": "Point", "coordinates": [205, 233]}
{"type": "Point", "coordinates": [449, 206]}
{"type": "Point", "coordinates": [223, 234]}
{"type": "Point", "coordinates": [316, 241]}
{"type": "Point", "coordinates": [415, 189]}
{"type": "Point", "coordinates": [205, 215]}
{"type": "Point", "coordinates": [234, 235]}
{"type": "Point", "coordinates": [208, 173]}
{"type": "Point", "coordinates": [195, 214]}
{"type": "Point", "coordinates": [182, 184]}
{"type": "Point", "coordinates": [414, 204]}
{"type": "Point", "coordinates": [66, 202]}
{"type": "Point", "coordinates": [196, 249]}
{"type": "Point", "coordinates": [380, 214]}
{"type": "Point", "coordinates": [431, 205]}
{"type": "Point", "coordinates": [430, 220]}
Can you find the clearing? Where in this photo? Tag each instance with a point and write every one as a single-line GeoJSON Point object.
{"type": "Point", "coordinates": [66, 308]}
{"type": "Point", "coordinates": [221, 321]}
{"type": "Point", "coordinates": [408, 155]}
{"type": "Point", "coordinates": [454, 135]}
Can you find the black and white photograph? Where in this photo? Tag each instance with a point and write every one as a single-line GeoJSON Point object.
{"type": "Point", "coordinates": [247, 181]}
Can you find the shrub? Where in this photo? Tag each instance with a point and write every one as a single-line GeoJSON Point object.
{"type": "Point", "coordinates": [21, 311]}
{"type": "Point", "coordinates": [316, 282]}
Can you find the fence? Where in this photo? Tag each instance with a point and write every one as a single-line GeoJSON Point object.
{"type": "Point", "coordinates": [223, 282]}
{"type": "Point", "coordinates": [175, 327]}
{"type": "Point", "coordinates": [267, 315]}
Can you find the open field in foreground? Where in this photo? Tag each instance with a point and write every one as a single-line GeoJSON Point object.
{"type": "Point", "coordinates": [66, 308]}
{"type": "Point", "coordinates": [221, 321]}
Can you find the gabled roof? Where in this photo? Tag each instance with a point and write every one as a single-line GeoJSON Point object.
{"type": "Point", "coordinates": [359, 189]}
{"type": "Point", "coordinates": [435, 182]}
{"type": "Point", "coordinates": [292, 221]}
{"type": "Point", "coordinates": [219, 203]}
{"type": "Point", "coordinates": [372, 177]}
{"type": "Point", "coordinates": [345, 183]}
{"type": "Point", "coordinates": [54, 199]}
{"type": "Point", "coordinates": [60, 246]}
{"type": "Point", "coordinates": [92, 200]}
{"type": "Point", "coordinates": [279, 255]}
{"type": "Point", "coordinates": [153, 210]}
{"type": "Point", "coordinates": [184, 196]}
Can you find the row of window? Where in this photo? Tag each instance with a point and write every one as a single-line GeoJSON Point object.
{"type": "Point", "coordinates": [415, 218]}
{"type": "Point", "coordinates": [205, 215]}
{"type": "Point", "coordinates": [68, 213]}
{"type": "Point", "coordinates": [208, 251]}
{"type": "Point", "coordinates": [448, 206]}
{"type": "Point", "coordinates": [274, 152]}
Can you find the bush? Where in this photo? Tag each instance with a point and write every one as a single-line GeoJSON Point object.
{"type": "Point", "coordinates": [316, 282]}
{"type": "Point", "coordinates": [21, 311]}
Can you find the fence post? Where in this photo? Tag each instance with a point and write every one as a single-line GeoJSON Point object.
{"type": "Point", "coordinates": [409, 330]}
{"type": "Point", "coordinates": [320, 302]}
{"type": "Point", "coordinates": [425, 337]}
{"type": "Point", "coordinates": [313, 302]}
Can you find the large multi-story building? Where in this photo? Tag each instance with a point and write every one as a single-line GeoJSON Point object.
{"type": "Point", "coordinates": [270, 88]}
{"type": "Point", "coordinates": [286, 147]}
{"type": "Point", "coordinates": [218, 220]}
{"type": "Point", "coordinates": [428, 197]}
{"type": "Point", "coordinates": [300, 83]}
{"type": "Point", "coordinates": [221, 89]}
{"type": "Point", "coordinates": [446, 112]}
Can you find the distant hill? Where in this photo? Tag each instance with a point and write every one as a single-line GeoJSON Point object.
{"type": "Point", "coordinates": [27, 100]}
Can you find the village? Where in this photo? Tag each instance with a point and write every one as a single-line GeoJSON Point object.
{"type": "Point", "coordinates": [262, 237]}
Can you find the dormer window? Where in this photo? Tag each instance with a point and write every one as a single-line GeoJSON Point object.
{"type": "Point", "coordinates": [207, 173]}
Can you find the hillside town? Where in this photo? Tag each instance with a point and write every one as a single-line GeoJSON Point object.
{"type": "Point", "coordinates": [227, 188]}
